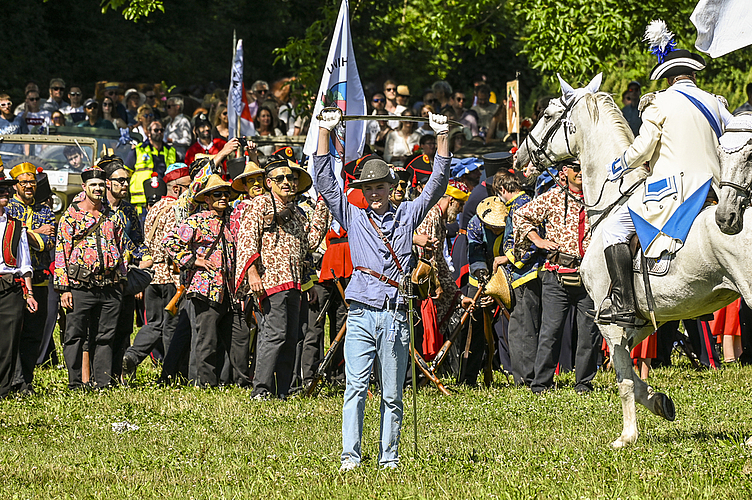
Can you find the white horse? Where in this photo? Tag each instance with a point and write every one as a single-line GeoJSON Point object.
{"type": "Point", "coordinates": [708, 273]}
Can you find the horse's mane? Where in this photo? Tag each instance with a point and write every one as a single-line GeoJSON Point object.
{"type": "Point", "coordinates": [602, 104]}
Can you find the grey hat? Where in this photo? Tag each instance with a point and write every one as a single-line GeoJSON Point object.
{"type": "Point", "coordinates": [372, 170]}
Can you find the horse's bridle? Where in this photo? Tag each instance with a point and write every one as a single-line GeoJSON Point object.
{"type": "Point", "coordinates": [745, 190]}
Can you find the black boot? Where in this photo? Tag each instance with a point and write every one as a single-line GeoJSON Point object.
{"type": "Point", "coordinates": [622, 311]}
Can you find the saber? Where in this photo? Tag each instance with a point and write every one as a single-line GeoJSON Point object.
{"type": "Point", "coordinates": [355, 118]}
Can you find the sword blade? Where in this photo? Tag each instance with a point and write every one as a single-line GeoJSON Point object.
{"type": "Point", "coordinates": [418, 119]}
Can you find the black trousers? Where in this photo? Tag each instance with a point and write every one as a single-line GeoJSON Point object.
{"type": "Point", "coordinates": [32, 334]}
{"type": "Point", "coordinates": [220, 329]}
{"type": "Point", "coordinates": [275, 348]}
{"type": "Point", "coordinates": [159, 327]}
{"type": "Point", "coordinates": [123, 332]}
{"type": "Point", "coordinates": [313, 342]}
{"type": "Point", "coordinates": [12, 306]}
{"type": "Point", "coordinates": [177, 356]}
{"type": "Point", "coordinates": [474, 363]}
{"type": "Point", "coordinates": [703, 342]}
{"type": "Point", "coordinates": [555, 302]}
{"type": "Point", "coordinates": [524, 325]}
{"type": "Point", "coordinates": [99, 308]}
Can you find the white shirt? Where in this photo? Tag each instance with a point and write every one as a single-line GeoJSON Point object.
{"type": "Point", "coordinates": [24, 257]}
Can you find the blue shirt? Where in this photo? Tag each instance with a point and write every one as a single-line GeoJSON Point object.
{"type": "Point", "coordinates": [366, 247]}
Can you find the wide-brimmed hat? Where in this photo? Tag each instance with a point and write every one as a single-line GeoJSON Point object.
{"type": "Point", "coordinates": [251, 169]}
{"type": "Point", "coordinates": [678, 62]}
{"type": "Point", "coordinates": [214, 183]}
{"type": "Point", "coordinates": [304, 178]}
{"type": "Point", "coordinates": [500, 287]}
{"type": "Point", "coordinates": [374, 169]}
{"type": "Point", "coordinates": [492, 212]}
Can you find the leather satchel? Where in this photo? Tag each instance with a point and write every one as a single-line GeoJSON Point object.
{"type": "Point", "coordinates": [423, 278]}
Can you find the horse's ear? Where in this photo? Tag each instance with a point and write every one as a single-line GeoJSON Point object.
{"type": "Point", "coordinates": [595, 83]}
{"type": "Point", "coordinates": [566, 90]}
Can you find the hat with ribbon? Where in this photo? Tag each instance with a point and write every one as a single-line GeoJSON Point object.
{"type": "Point", "coordinates": [462, 166]}
{"type": "Point", "coordinates": [493, 212]}
{"type": "Point", "coordinates": [419, 170]}
{"type": "Point", "coordinates": [22, 168]}
{"type": "Point", "coordinates": [214, 183]}
{"type": "Point", "coordinates": [176, 171]}
{"type": "Point", "coordinates": [671, 61]}
{"type": "Point", "coordinates": [458, 190]}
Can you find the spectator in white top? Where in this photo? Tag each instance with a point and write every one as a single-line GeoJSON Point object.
{"type": "Point", "coordinates": [33, 115]}
{"type": "Point", "coordinates": [74, 110]}
{"type": "Point", "coordinates": [57, 91]}
{"type": "Point", "coordinates": [22, 107]}
{"type": "Point", "coordinates": [485, 109]}
{"type": "Point", "coordinates": [390, 91]}
{"type": "Point", "coordinates": [401, 143]}
{"type": "Point", "coordinates": [178, 130]}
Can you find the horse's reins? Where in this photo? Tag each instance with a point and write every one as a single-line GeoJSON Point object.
{"type": "Point", "coordinates": [747, 191]}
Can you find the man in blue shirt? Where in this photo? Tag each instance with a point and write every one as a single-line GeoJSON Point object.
{"type": "Point", "coordinates": [377, 322]}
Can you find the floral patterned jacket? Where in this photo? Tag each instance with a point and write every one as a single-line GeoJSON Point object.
{"type": "Point", "coordinates": [34, 217]}
{"type": "Point", "coordinates": [103, 259]}
{"type": "Point", "coordinates": [159, 222]}
{"type": "Point", "coordinates": [192, 239]}
{"type": "Point", "coordinates": [280, 249]}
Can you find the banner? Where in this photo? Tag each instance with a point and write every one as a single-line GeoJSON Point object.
{"type": "Point", "coordinates": [722, 26]}
{"type": "Point", "coordinates": [238, 101]}
{"type": "Point", "coordinates": [341, 87]}
{"type": "Point", "coordinates": [513, 107]}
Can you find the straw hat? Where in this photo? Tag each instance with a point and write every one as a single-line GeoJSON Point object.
{"type": "Point", "coordinates": [250, 170]}
{"type": "Point", "coordinates": [493, 212]}
{"type": "Point", "coordinates": [304, 178]}
{"type": "Point", "coordinates": [214, 183]}
{"type": "Point", "coordinates": [500, 287]}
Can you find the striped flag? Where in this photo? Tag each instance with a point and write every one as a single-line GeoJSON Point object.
{"type": "Point", "coordinates": [341, 87]}
{"type": "Point", "coordinates": [238, 101]}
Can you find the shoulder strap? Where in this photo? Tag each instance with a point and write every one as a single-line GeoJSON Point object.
{"type": "Point", "coordinates": [153, 228]}
{"type": "Point", "coordinates": [706, 113]}
{"type": "Point", "coordinates": [91, 229]}
{"type": "Point", "coordinates": [220, 235]}
{"type": "Point", "coordinates": [386, 242]}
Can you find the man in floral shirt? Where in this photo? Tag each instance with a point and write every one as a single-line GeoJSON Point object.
{"type": "Point", "coordinates": [274, 237]}
{"type": "Point", "coordinates": [567, 238]}
{"type": "Point", "coordinates": [89, 272]}
{"type": "Point", "coordinates": [159, 325]}
{"type": "Point", "coordinates": [204, 246]}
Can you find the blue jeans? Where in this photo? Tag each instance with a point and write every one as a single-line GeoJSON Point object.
{"type": "Point", "coordinates": [370, 333]}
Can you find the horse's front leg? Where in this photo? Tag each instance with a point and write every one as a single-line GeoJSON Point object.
{"type": "Point", "coordinates": [625, 376]}
{"type": "Point", "coordinates": [657, 402]}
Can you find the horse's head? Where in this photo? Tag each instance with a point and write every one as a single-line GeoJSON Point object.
{"type": "Point", "coordinates": [550, 141]}
{"type": "Point", "coordinates": [735, 152]}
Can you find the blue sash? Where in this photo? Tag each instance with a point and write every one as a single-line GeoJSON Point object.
{"type": "Point", "coordinates": [706, 112]}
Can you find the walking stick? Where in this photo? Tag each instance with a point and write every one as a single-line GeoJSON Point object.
{"type": "Point", "coordinates": [455, 333]}
{"type": "Point", "coordinates": [488, 369]}
{"type": "Point", "coordinates": [466, 353]}
{"type": "Point", "coordinates": [410, 312]}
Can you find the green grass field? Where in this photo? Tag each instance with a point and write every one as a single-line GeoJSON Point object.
{"type": "Point", "coordinates": [504, 442]}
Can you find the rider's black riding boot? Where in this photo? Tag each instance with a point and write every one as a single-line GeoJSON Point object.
{"type": "Point", "coordinates": [622, 310]}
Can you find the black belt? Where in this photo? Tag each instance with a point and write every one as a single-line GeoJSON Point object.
{"type": "Point", "coordinates": [381, 277]}
{"type": "Point", "coordinates": [334, 241]}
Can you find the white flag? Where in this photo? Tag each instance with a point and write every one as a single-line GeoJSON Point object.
{"type": "Point", "coordinates": [341, 87]}
{"type": "Point", "coordinates": [238, 102]}
{"type": "Point", "coordinates": [722, 26]}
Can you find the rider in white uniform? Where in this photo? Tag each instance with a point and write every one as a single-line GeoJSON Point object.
{"type": "Point", "coordinates": [678, 139]}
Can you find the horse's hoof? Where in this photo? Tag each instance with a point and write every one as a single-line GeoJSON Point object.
{"type": "Point", "coordinates": [664, 407]}
{"type": "Point", "coordinates": [622, 442]}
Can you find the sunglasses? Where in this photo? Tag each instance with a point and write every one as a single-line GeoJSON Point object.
{"type": "Point", "coordinates": [169, 106]}
{"type": "Point", "coordinates": [263, 91]}
{"type": "Point", "coordinates": [391, 89]}
{"type": "Point", "coordinates": [379, 100]}
{"type": "Point", "coordinates": [402, 184]}
{"type": "Point", "coordinates": [120, 180]}
{"type": "Point", "coordinates": [110, 92]}
{"type": "Point", "coordinates": [76, 94]}
{"type": "Point", "coordinates": [224, 113]}
{"type": "Point", "coordinates": [6, 104]}
{"type": "Point", "coordinates": [158, 130]}
{"type": "Point", "coordinates": [28, 183]}
{"type": "Point", "coordinates": [33, 99]}
{"type": "Point", "coordinates": [253, 180]}
{"type": "Point", "coordinates": [92, 106]}
{"type": "Point", "coordinates": [220, 194]}
{"type": "Point", "coordinates": [460, 99]}
{"type": "Point", "coordinates": [106, 104]}
{"type": "Point", "coordinates": [148, 116]}
{"type": "Point", "coordinates": [282, 177]}
{"type": "Point", "coordinates": [59, 89]}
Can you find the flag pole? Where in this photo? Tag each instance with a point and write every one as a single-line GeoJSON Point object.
{"type": "Point", "coordinates": [234, 49]}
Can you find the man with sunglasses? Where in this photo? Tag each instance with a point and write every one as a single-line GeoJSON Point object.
{"type": "Point", "coordinates": [204, 247]}
{"type": "Point", "coordinates": [257, 96]}
{"type": "Point", "coordinates": [57, 91]}
{"type": "Point", "coordinates": [10, 124]}
{"type": "Point", "coordinates": [39, 222]}
{"type": "Point", "coordinates": [112, 90]}
{"type": "Point", "coordinates": [15, 287]}
{"type": "Point", "coordinates": [467, 117]}
{"type": "Point", "coordinates": [273, 239]}
{"type": "Point", "coordinates": [159, 326]}
{"type": "Point", "coordinates": [32, 115]}
{"type": "Point", "coordinates": [93, 119]}
{"type": "Point", "coordinates": [152, 155]}
{"type": "Point", "coordinates": [75, 110]}
{"type": "Point", "coordinates": [566, 239]}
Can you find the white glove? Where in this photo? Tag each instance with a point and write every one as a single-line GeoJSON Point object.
{"type": "Point", "coordinates": [330, 118]}
{"type": "Point", "coordinates": [438, 123]}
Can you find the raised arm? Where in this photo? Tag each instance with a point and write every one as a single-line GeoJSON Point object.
{"type": "Point", "coordinates": [437, 183]}
{"type": "Point", "coordinates": [323, 174]}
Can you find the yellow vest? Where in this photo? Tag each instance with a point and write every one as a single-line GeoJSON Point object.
{"type": "Point", "coordinates": [145, 166]}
